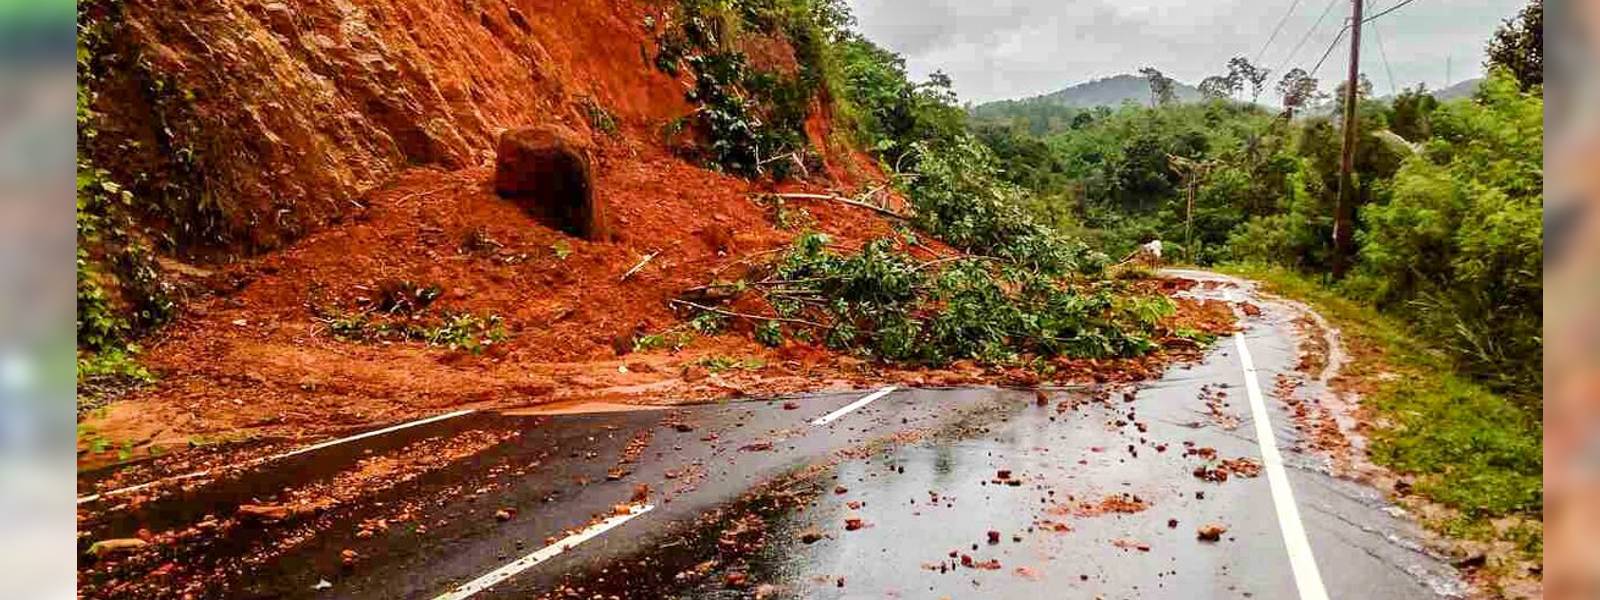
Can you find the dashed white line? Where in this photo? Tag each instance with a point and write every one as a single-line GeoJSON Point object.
{"type": "Point", "coordinates": [279, 456]}
{"type": "Point", "coordinates": [829, 418]}
{"type": "Point", "coordinates": [538, 556]}
{"type": "Point", "coordinates": [1307, 578]}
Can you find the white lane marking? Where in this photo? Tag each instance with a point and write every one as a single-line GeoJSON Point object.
{"type": "Point", "coordinates": [828, 418]}
{"type": "Point", "coordinates": [279, 456]}
{"type": "Point", "coordinates": [538, 556]}
{"type": "Point", "coordinates": [1306, 577]}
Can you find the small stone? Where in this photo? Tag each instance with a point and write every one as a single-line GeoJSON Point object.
{"type": "Point", "coordinates": [1211, 532]}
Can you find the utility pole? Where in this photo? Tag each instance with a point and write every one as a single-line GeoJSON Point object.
{"type": "Point", "coordinates": [1193, 173]}
{"type": "Point", "coordinates": [1344, 212]}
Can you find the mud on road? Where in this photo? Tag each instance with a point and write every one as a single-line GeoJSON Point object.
{"type": "Point", "coordinates": [1155, 489]}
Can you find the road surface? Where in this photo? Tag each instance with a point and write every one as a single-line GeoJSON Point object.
{"type": "Point", "coordinates": [887, 493]}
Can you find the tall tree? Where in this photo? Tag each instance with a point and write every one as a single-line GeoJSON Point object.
{"type": "Point", "coordinates": [1518, 46]}
{"type": "Point", "coordinates": [1297, 88]}
{"type": "Point", "coordinates": [1161, 87]}
{"type": "Point", "coordinates": [1216, 87]}
{"type": "Point", "coordinates": [1241, 72]}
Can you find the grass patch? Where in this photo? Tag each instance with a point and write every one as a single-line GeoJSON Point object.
{"type": "Point", "coordinates": [1470, 449]}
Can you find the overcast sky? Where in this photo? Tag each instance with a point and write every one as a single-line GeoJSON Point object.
{"type": "Point", "coordinates": [996, 49]}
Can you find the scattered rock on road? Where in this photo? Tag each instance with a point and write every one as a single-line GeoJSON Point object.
{"type": "Point", "coordinates": [1211, 532]}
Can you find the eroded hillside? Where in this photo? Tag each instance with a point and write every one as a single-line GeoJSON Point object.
{"type": "Point", "coordinates": [290, 208]}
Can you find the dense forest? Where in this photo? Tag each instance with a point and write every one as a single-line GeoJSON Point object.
{"type": "Point", "coordinates": [1448, 194]}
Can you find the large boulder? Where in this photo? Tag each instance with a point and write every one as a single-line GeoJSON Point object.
{"type": "Point", "coordinates": [545, 170]}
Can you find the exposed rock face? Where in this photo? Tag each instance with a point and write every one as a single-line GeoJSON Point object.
{"type": "Point", "coordinates": [546, 171]}
{"type": "Point", "coordinates": [244, 124]}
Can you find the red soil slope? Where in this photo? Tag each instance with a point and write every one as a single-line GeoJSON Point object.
{"type": "Point", "coordinates": [327, 109]}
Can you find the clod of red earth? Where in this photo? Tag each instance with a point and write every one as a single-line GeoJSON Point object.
{"type": "Point", "coordinates": [994, 537]}
{"type": "Point", "coordinates": [791, 405]}
{"type": "Point", "coordinates": [622, 509]}
{"type": "Point", "coordinates": [1243, 467]}
{"type": "Point", "coordinates": [641, 493]}
{"type": "Point", "coordinates": [854, 523]}
{"type": "Point", "coordinates": [992, 564]}
{"type": "Point", "coordinates": [966, 561]}
{"type": "Point", "coordinates": [1211, 532]}
{"type": "Point", "coordinates": [1250, 309]}
{"type": "Point", "coordinates": [736, 579]}
{"type": "Point", "coordinates": [505, 514]}
{"type": "Point", "coordinates": [1040, 398]}
{"type": "Point", "coordinates": [810, 536]}
{"type": "Point", "coordinates": [1003, 474]}
{"type": "Point", "coordinates": [682, 427]}
{"type": "Point", "coordinates": [1027, 573]}
{"type": "Point", "coordinates": [348, 557]}
{"type": "Point", "coordinates": [757, 446]}
{"type": "Point", "coordinates": [264, 513]}
{"type": "Point", "coordinates": [1130, 544]}
{"type": "Point", "coordinates": [1172, 523]}
{"type": "Point", "coordinates": [766, 590]}
{"type": "Point", "coordinates": [693, 373]}
{"type": "Point", "coordinates": [1211, 474]}
{"type": "Point", "coordinates": [839, 489]}
{"type": "Point", "coordinates": [855, 504]}
{"type": "Point", "coordinates": [115, 546]}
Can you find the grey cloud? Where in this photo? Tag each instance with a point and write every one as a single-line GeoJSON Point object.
{"type": "Point", "coordinates": [1015, 48]}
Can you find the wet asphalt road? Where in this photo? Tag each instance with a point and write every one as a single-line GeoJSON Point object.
{"type": "Point", "coordinates": [735, 488]}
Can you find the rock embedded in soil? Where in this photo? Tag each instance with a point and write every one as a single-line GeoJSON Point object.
{"type": "Point", "coordinates": [546, 171]}
{"type": "Point", "coordinates": [264, 513]}
{"type": "Point", "coordinates": [116, 546]}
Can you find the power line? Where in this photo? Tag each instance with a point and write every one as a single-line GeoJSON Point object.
{"type": "Point", "coordinates": [1387, 11]}
{"type": "Point", "coordinates": [1393, 89]}
{"type": "Point", "coordinates": [1277, 30]}
{"type": "Point", "coordinates": [1303, 39]}
{"type": "Point", "coordinates": [1328, 52]}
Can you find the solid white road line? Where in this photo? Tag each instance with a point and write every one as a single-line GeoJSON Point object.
{"type": "Point", "coordinates": [828, 418]}
{"type": "Point", "coordinates": [280, 456]}
{"type": "Point", "coordinates": [1306, 577]}
{"type": "Point", "coordinates": [538, 556]}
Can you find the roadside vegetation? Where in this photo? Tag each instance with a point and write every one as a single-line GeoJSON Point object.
{"type": "Point", "coordinates": [1023, 291]}
{"type": "Point", "coordinates": [1464, 446]}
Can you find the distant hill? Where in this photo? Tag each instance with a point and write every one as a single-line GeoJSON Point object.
{"type": "Point", "coordinates": [1463, 89]}
{"type": "Point", "coordinates": [1111, 91]}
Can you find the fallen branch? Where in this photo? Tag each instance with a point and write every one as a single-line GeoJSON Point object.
{"type": "Point", "coordinates": [851, 202]}
{"type": "Point", "coordinates": [748, 317]}
{"type": "Point", "coordinates": [646, 260]}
